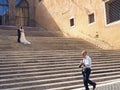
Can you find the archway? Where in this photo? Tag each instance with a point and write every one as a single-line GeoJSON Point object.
{"type": "Point", "coordinates": [22, 12]}
{"type": "Point", "coordinates": [4, 12]}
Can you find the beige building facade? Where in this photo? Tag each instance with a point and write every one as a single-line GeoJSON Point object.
{"type": "Point", "coordinates": [97, 21]}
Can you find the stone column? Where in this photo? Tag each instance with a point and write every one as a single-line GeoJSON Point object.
{"type": "Point", "coordinates": [12, 15]}
{"type": "Point", "coordinates": [31, 12]}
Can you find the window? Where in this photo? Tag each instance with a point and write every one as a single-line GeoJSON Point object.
{"type": "Point", "coordinates": [112, 11]}
{"type": "Point", "coordinates": [72, 22]}
{"type": "Point", "coordinates": [17, 2]}
{"type": "Point", "coordinates": [91, 18]}
{"type": "Point", "coordinates": [4, 12]}
{"type": "Point", "coordinates": [39, 0]}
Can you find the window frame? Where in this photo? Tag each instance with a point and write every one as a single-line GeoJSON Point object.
{"type": "Point", "coordinates": [105, 16]}
{"type": "Point", "coordinates": [94, 18]}
{"type": "Point", "coordinates": [72, 24]}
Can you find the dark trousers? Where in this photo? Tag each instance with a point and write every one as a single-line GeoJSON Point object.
{"type": "Point", "coordinates": [19, 35]}
{"type": "Point", "coordinates": [18, 39]}
{"type": "Point", "coordinates": [86, 74]}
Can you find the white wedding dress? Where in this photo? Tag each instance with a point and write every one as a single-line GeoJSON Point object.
{"type": "Point", "coordinates": [23, 39]}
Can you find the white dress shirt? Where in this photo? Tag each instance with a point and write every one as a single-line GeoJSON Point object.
{"type": "Point", "coordinates": [87, 61]}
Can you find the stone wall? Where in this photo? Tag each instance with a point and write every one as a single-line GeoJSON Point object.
{"type": "Point", "coordinates": [12, 12]}
{"type": "Point", "coordinates": [31, 12]}
{"type": "Point", "coordinates": [56, 15]}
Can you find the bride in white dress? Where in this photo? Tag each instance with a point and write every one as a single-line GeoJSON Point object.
{"type": "Point", "coordinates": [23, 38]}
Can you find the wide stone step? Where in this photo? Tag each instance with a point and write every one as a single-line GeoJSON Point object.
{"type": "Point", "coordinates": [53, 64]}
{"type": "Point", "coordinates": [37, 83]}
{"type": "Point", "coordinates": [46, 43]}
{"type": "Point", "coordinates": [56, 76]}
{"type": "Point", "coordinates": [27, 60]}
{"type": "Point", "coordinates": [29, 31]}
{"type": "Point", "coordinates": [50, 66]}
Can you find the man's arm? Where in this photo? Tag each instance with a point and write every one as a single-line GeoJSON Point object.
{"type": "Point", "coordinates": [82, 64]}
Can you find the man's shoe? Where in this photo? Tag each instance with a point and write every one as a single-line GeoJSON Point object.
{"type": "Point", "coordinates": [94, 86]}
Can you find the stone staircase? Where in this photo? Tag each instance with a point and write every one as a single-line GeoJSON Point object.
{"type": "Point", "coordinates": [51, 62]}
{"type": "Point", "coordinates": [54, 69]}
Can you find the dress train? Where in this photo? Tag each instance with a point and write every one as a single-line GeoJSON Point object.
{"type": "Point", "coordinates": [23, 39]}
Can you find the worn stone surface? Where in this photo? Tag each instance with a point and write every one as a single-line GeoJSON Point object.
{"type": "Point", "coordinates": [56, 15]}
{"type": "Point", "coordinates": [115, 85]}
{"type": "Point", "coordinates": [111, 85]}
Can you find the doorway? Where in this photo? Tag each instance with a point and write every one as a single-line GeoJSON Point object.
{"type": "Point", "coordinates": [22, 12]}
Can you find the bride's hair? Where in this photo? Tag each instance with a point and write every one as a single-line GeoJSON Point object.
{"type": "Point", "coordinates": [21, 27]}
